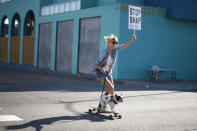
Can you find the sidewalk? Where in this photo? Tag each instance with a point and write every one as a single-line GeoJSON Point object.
{"type": "Point", "coordinates": [179, 85]}
{"type": "Point", "coordinates": [182, 85]}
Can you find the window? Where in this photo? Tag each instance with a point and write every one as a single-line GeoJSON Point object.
{"type": "Point", "coordinates": [5, 27]}
{"type": "Point", "coordinates": [71, 5]}
{"type": "Point", "coordinates": [29, 24]}
{"type": "Point", "coordinates": [15, 25]}
{"type": "Point", "coordinates": [3, 1]}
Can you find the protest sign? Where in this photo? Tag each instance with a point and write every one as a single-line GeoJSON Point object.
{"type": "Point", "coordinates": [134, 18]}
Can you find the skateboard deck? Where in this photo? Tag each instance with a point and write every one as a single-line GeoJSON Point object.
{"type": "Point", "coordinates": [111, 114]}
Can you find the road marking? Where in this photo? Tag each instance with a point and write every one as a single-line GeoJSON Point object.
{"type": "Point", "coordinates": [10, 118]}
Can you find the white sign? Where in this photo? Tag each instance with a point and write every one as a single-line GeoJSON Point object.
{"type": "Point", "coordinates": [134, 17]}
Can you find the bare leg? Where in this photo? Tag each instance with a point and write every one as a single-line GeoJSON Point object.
{"type": "Point", "coordinates": [112, 82]}
{"type": "Point", "coordinates": [108, 85]}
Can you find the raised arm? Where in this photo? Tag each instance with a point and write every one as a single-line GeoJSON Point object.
{"type": "Point", "coordinates": [129, 42]}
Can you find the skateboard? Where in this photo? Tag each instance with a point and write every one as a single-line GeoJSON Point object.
{"type": "Point", "coordinates": [96, 110]}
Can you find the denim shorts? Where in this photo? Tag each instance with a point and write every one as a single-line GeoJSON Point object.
{"type": "Point", "coordinates": [103, 75]}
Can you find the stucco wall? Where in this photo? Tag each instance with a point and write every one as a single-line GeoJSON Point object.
{"type": "Point", "coordinates": [168, 43]}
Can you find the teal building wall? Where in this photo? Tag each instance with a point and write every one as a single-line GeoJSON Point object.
{"type": "Point", "coordinates": [110, 14]}
{"type": "Point", "coordinates": [110, 22]}
{"type": "Point", "coordinates": [166, 42]}
{"type": "Point", "coordinates": [21, 7]}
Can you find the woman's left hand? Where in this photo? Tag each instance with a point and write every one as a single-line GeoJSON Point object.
{"type": "Point", "coordinates": [134, 37]}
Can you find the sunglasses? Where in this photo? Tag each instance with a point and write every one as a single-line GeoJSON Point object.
{"type": "Point", "coordinates": [114, 43]}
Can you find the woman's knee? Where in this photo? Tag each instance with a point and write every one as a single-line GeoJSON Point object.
{"type": "Point", "coordinates": [109, 85]}
{"type": "Point", "coordinates": [112, 82]}
{"type": "Point", "coordinates": [111, 91]}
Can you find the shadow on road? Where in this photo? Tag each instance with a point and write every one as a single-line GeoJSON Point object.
{"type": "Point", "coordinates": [38, 124]}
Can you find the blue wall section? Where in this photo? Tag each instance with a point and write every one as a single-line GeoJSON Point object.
{"type": "Point", "coordinates": [105, 2]}
{"type": "Point", "coordinates": [87, 4]}
{"type": "Point", "coordinates": [131, 2]}
{"type": "Point", "coordinates": [45, 2]}
{"type": "Point", "coordinates": [95, 3]}
{"type": "Point", "coordinates": [157, 3]}
{"type": "Point", "coordinates": [168, 43]}
{"type": "Point", "coordinates": [182, 9]}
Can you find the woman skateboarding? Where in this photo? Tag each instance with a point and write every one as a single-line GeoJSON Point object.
{"type": "Point", "coordinates": [106, 61]}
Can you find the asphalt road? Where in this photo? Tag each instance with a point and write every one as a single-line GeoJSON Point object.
{"type": "Point", "coordinates": [48, 102]}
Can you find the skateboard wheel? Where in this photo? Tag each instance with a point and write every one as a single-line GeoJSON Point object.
{"type": "Point", "coordinates": [119, 116]}
{"type": "Point", "coordinates": [89, 110]}
{"type": "Point", "coordinates": [110, 116]}
{"type": "Point", "coordinates": [94, 109]}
